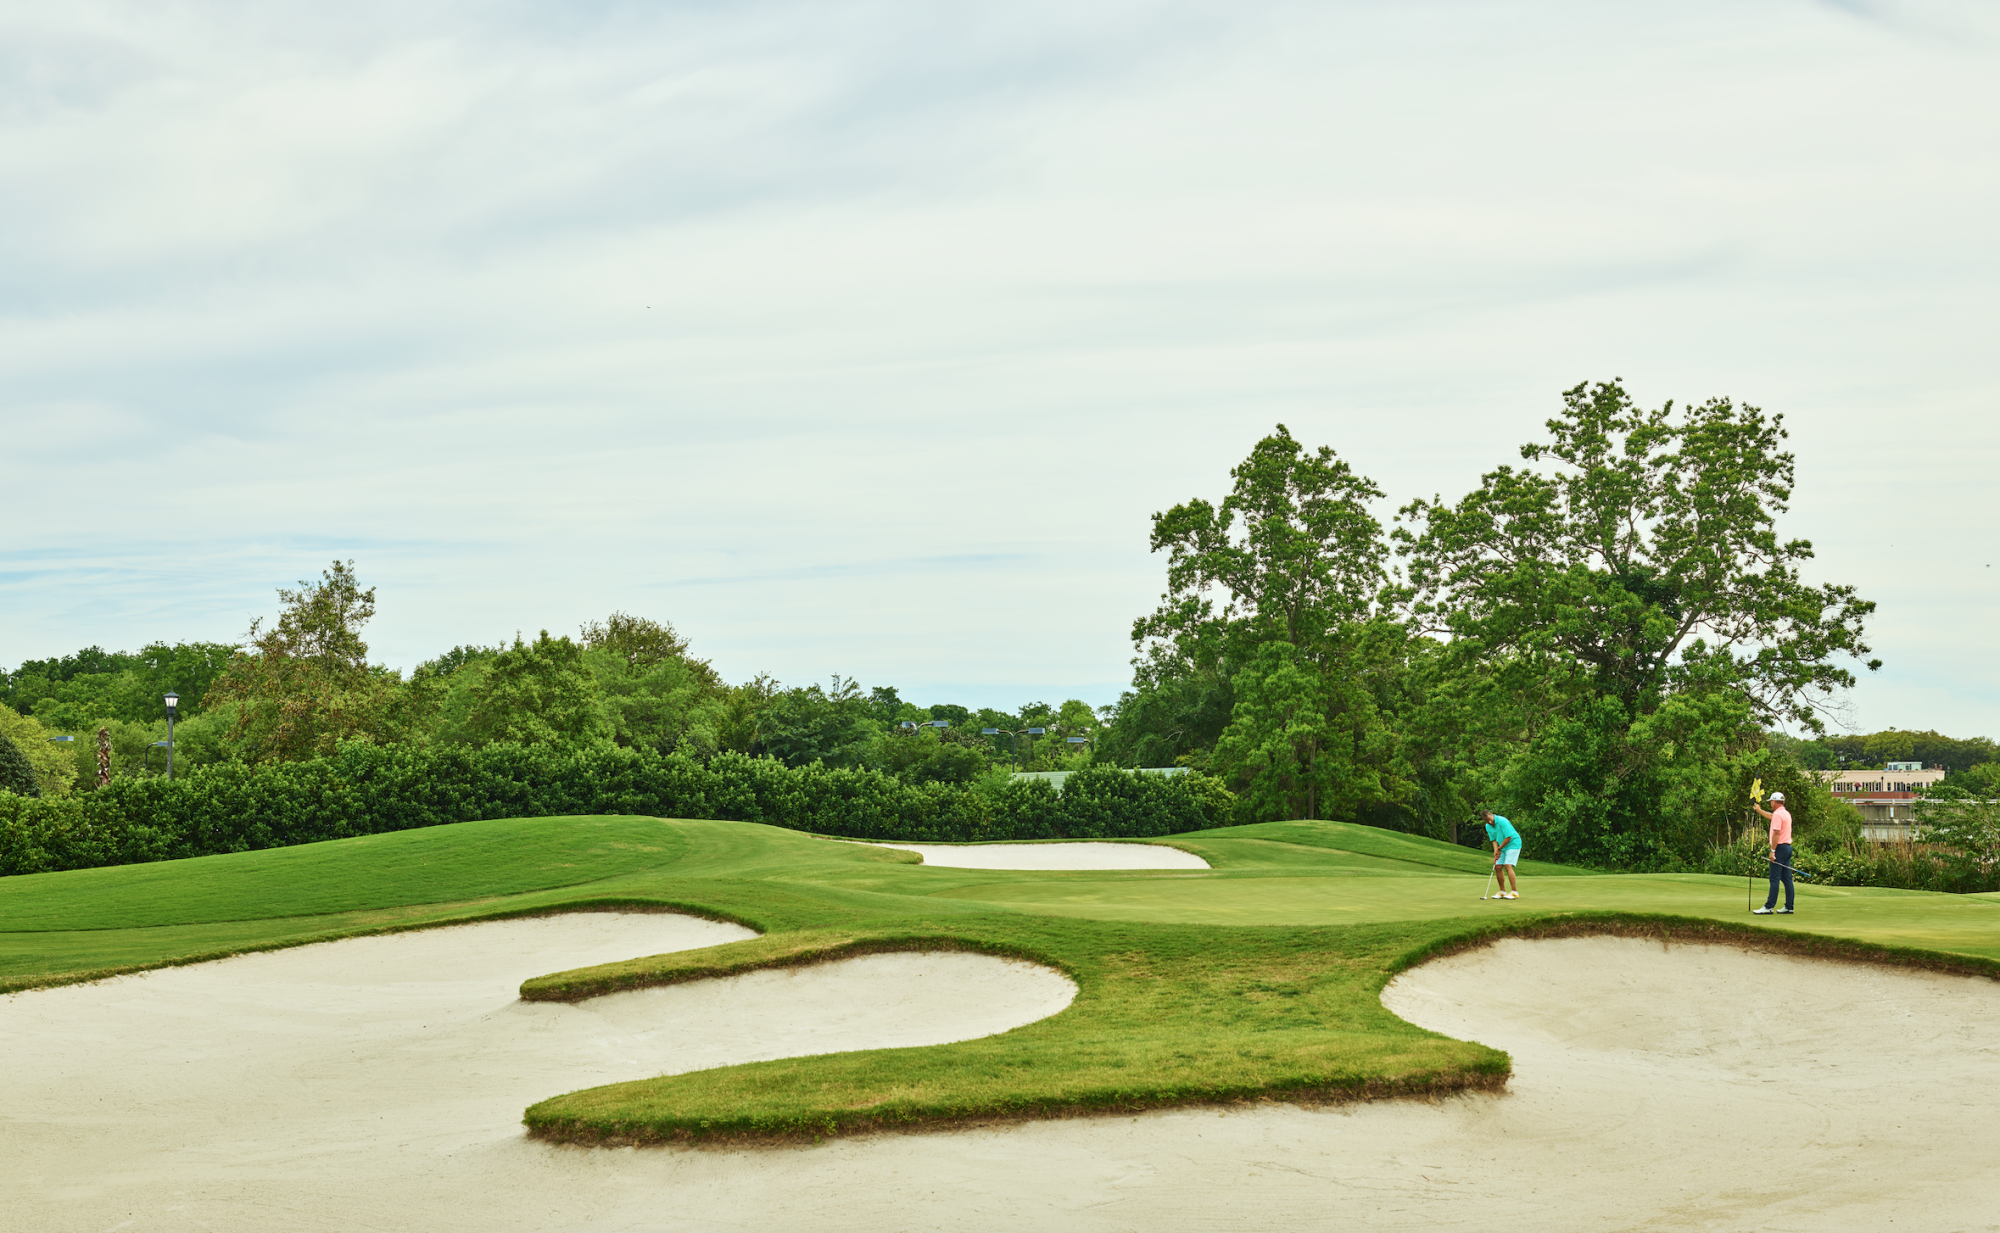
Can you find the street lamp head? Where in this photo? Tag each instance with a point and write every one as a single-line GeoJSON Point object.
{"type": "Point", "coordinates": [62, 739]}
{"type": "Point", "coordinates": [940, 723]}
{"type": "Point", "coordinates": [1034, 731]}
{"type": "Point", "coordinates": [173, 700]}
{"type": "Point", "coordinates": [989, 732]}
{"type": "Point", "coordinates": [1079, 740]}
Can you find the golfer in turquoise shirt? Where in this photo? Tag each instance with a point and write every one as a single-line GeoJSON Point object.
{"type": "Point", "coordinates": [1506, 850]}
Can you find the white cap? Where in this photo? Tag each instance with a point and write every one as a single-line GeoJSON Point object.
{"type": "Point", "coordinates": [1777, 796]}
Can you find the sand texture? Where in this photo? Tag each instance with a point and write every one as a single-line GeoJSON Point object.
{"type": "Point", "coordinates": [351, 1084]}
{"type": "Point", "coordinates": [1691, 1088]}
{"type": "Point", "coordinates": [1052, 855]}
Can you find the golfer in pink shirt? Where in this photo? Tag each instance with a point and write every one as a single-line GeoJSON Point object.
{"type": "Point", "coordinates": [1781, 855]}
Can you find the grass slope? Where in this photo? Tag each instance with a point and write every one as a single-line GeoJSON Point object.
{"type": "Point", "coordinates": [1258, 978]}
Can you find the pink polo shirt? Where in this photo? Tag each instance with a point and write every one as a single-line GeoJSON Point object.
{"type": "Point", "coordinates": [1781, 826]}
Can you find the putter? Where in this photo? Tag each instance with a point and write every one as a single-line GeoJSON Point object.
{"type": "Point", "coordinates": [1490, 875]}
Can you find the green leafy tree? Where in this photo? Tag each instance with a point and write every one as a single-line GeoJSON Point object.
{"type": "Point", "coordinates": [302, 686]}
{"type": "Point", "coordinates": [816, 724]}
{"type": "Point", "coordinates": [458, 657]}
{"type": "Point", "coordinates": [1874, 749]}
{"type": "Point", "coordinates": [17, 774]}
{"type": "Point", "coordinates": [884, 705]}
{"type": "Point", "coordinates": [189, 669]}
{"type": "Point", "coordinates": [54, 770]}
{"type": "Point", "coordinates": [77, 691]}
{"type": "Point", "coordinates": [665, 705]}
{"type": "Point", "coordinates": [646, 644]}
{"type": "Point", "coordinates": [1982, 780]}
{"type": "Point", "coordinates": [1964, 823]}
{"type": "Point", "coordinates": [1297, 562]}
{"type": "Point", "coordinates": [1643, 566]}
{"type": "Point", "coordinates": [37, 679]}
{"type": "Point", "coordinates": [1648, 559]}
{"type": "Point", "coordinates": [536, 693]}
{"type": "Point", "coordinates": [956, 716]}
{"type": "Point", "coordinates": [1173, 714]}
{"type": "Point", "coordinates": [1304, 742]}
{"type": "Point", "coordinates": [655, 693]}
{"type": "Point", "coordinates": [739, 717]}
{"type": "Point", "coordinates": [931, 755]}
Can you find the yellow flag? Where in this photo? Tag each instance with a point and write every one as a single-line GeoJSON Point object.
{"type": "Point", "coordinates": [1756, 790]}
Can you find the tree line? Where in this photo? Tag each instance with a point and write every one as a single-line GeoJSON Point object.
{"type": "Point", "coordinates": [1608, 641]}
{"type": "Point", "coordinates": [302, 686]}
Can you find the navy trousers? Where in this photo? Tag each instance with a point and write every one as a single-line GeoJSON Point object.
{"type": "Point", "coordinates": [1781, 871]}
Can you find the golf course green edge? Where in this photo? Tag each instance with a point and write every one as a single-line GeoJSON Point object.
{"type": "Point", "coordinates": [1141, 1035]}
{"type": "Point", "coordinates": [21, 984]}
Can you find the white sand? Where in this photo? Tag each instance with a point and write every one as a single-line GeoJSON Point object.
{"type": "Point", "coordinates": [1051, 855]}
{"type": "Point", "coordinates": [1655, 1089]}
{"type": "Point", "coordinates": [347, 1085]}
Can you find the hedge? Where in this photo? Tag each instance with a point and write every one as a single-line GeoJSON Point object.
{"type": "Point", "coordinates": [367, 790]}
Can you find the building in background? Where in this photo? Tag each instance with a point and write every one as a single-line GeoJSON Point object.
{"type": "Point", "coordinates": [1886, 798]}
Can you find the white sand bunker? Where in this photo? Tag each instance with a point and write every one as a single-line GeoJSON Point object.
{"type": "Point", "coordinates": [306, 1087]}
{"type": "Point", "coordinates": [1654, 1089]}
{"type": "Point", "coordinates": [1051, 855]}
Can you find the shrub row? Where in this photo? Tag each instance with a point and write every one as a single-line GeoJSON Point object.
{"type": "Point", "coordinates": [1895, 866]}
{"type": "Point", "coordinates": [366, 790]}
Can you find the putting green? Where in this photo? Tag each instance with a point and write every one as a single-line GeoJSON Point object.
{"type": "Point", "coordinates": [1966, 924]}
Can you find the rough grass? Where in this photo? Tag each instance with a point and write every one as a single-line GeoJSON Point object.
{"type": "Point", "coordinates": [1259, 979]}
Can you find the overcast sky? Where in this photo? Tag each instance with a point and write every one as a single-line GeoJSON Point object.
{"type": "Point", "coordinates": [866, 337]}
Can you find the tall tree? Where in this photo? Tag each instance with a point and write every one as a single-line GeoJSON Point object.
{"type": "Point", "coordinates": [1299, 562]}
{"type": "Point", "coordinates": [17, 774]}
{"type": "Point", "coordinates": [304, 685]}
{"type": "Point", "coordinates": [655, 693]}
{"type": "Point", "coordinates": [53, 766]}
{"type": "Point", "coordinates": [1643, 565]}
{"type": "Point", "coordinates": [645, 644]}
{"type": "Point", "coordinates": [537, 693]}
{"type": "Point", "coordinates": [815, 724]}
{"type": "Point", "coordinates": [1294, 549]}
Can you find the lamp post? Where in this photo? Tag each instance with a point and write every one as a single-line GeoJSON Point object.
{"type": "Point", "coordinates": [1010, 744]}
{"type": "Point", "coordinates": [173, 703]}
{"type": "Point", "coordinates": [1013, 741]}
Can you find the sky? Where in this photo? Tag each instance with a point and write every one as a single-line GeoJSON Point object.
{"type": "Point", "coordinates": [865, 337]}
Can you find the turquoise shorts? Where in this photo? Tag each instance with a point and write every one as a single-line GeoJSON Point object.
{"type": "Point", "coordinates": [1509, 855]}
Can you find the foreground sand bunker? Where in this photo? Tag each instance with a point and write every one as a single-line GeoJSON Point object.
{"type": "Point", "coordinates": [336, 1066]}
{"type": "Point", "coordinates": [1655, 1088]}
{"type": "Point", "coordinates": [1051, 855]}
